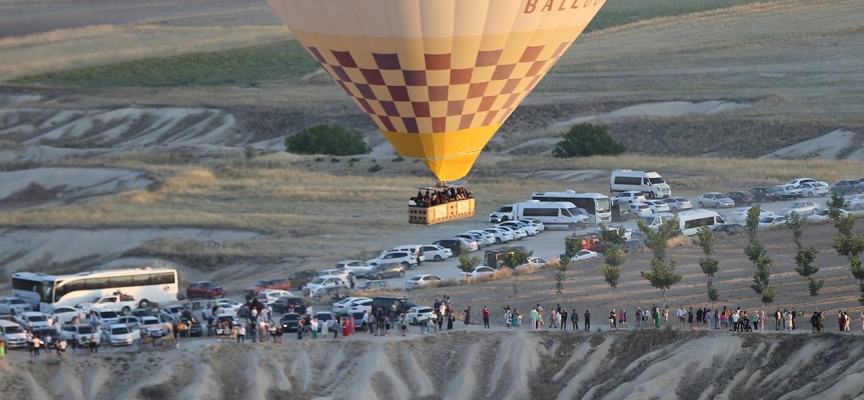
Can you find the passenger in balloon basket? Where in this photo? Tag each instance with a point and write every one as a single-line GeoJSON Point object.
{"type": "Point", "coordinates": [438, 197]}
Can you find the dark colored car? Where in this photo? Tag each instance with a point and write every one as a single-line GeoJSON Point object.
{"type": "Point", "coordinates": [763, 194]}
{"type": "Point", "coordinates": [632, 245]}
{"type": "Point", "coordinates": [373, 285]}
{"type": "Point", "coordinates": [267, 284]}
{"type": "Point", "coordinates": [848, 186]}
{"type": "Point", "coordinates": [43, 333]}
{"type": "Point", "coordinates": [284, 305]}
{"type": "Point", "coordinates": [387, 270]}
{"type": "Point", "coordinates": [195, 329]}
{"type": "Point", "coordinates": [204, 289]}
{"type": "Point", "coordinates": [621, 214]}
{"type": "Point", "coordinates": [142, 312]}
{"type": "Point", "coordinates": [392, 305]}
{"type": "Point", "coordinates": [289, 322]}
{"type": "Point", "coordinates": [729, 229]}
{"type": "Point", "coordinates": [300, 278]}
{"type": "Point", "coordinates": [742, 198]}
{"type": "Point", "coordinates": [454, 245]}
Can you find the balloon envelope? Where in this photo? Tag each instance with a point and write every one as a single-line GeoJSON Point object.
{"type": "Point", "coordinates": [438, 77]}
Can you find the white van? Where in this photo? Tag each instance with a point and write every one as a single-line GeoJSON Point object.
{"type": "Point", "coordinates": [416, 250]}
{"type": "Point", "coordinates": [551, 213]}
{"type": "Point", "coordinates": [13, 334]}
{"type": "Point", "coordinates": [648, 182]}
{"type": "Point", "coordinates": [690, 221]}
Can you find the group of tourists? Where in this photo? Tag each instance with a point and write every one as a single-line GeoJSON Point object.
{"type": "Point", "coordinates": [436, 197]}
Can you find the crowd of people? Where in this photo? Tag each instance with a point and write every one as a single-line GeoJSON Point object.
{"type": "Point", "coordinates": [437, 197]}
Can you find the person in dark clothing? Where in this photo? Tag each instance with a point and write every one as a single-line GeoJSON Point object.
{"type": "Point", "coordinates": [690, 316]}
{"type": "Point", "coordinates": [467, 312]}
{"type": "Point", "coordinates": [574, 319]}
{"type": "Point", "coordinates": [486, 317]}
{"type": "Point", "coordinates": [587, 321]}
{"type": "Point", "coordinates": [698, 315]}
{"type": "Point", "coordinates": [564, 319]}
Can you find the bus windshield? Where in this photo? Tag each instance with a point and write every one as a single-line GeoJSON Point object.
{"type": "Point", "coordinates": [603, 205]}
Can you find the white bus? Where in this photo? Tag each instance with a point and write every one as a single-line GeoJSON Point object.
{"type": "Point", "coordinates": [551, 213]}
{"type": "Point", "coordinates": [598, 206]}
{"type": "Point", "coordinates": [690, 221]}
{"type": "Point", "coordinates": [47, 292]}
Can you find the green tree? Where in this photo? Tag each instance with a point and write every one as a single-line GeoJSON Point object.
{"type": "Point", "coordinates": [805, 257]}
{"type": "Point", "coordinates": [585, 140]}
{"type": "Point", "coordinates": [662, 274]}
{"type": "Point", "coordinates": [466, 261]}
{"type": "Point", "coordinates": [334, 140]}
{"type": "Point", "coordinates": [755, 251]}
{"type": "Point", "coordinates": [513, 258]}
{"type": "Point", "coordinates": [571, 247]}
{"type": "Point", "coordinates": [846, 243]}
{"type": "Point", "coordinates": [706, 240]}
{"type": "Point", "coordinates": [614, 240]}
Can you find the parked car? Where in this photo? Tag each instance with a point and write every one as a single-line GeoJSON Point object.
{"type": "Point", "coordinates": [13, 305]}
{"type": "Point", "coordinates": [354, 267]}
{"type": "Point", "coordinates": [290, 322]}
{"type": "Point", "coordinates": [65, 314]}
{"type": "Point", "coordinates": [393, 305]}
{"type": "Point", "coordinates": [678, 204]}
{"type": "Point", "coordinates": [194, 326]}
{"type": "Point", "coordinates": [479, 271]}
{"type": "Point", "coordinates": [585, 255]}
{"type": "Point", "coordinates": [763, 194]}
{"type": "Point", "coordinates": [728, 229]}
{"type": "Point", "coordinates": [43, 333]}
{"type": "Point", "coordinates": [321, 283]}
{"type": "Point", "coordinates": [629, 196]}
{"type": "Point", "coordinates": [742, 198]}
{"type": "Point", "coordinates": [505, 213]}
{"type": "Point", "coordinates": [31, 319]}
{"type": "Point", "coordinates": [848, 186]}
{"type": "Point", "coordinates": [420, 281]}
{"type": "Point", "coordinates": [120, 335]}
{"type": "Point", "coordinates": [538, 225]}
{"type": "Point", "coordinates": [853, 202]}
{"type": "Point", "coordinates": [787, 191]}
{"type": "Point", "coordinates": [266, 284]}
{"type": "Point", "coordinates": [80, 332]}
{"type": "Point", "coordinates": [343, 305]}
{"type": "Point", "coordinates": [269, 296]}
{"type": "Point", "coordinates": [228, 305]}
{"type": "Point", "coordinates": [103, 317]}
{"type": "Point", "coordinates": [537, 262]}
{"type": "Point", "coordinates": [419, 314]}
{"type": "Point", "coordinates": [300, 278]}
{"type": "Point", "coordinates": [436, 253]}
{"type": "Point", "coordinates": [373, 285]}
{"type": "Point", "coordinates": [715, 199]}
{"type": "Point", "coordinates": [13, 334]}
{"type": "Point", "coordinates": [455, 245]}
{"type": "Point", "coordinates": [822, 216]}
{"type": "Point", "coordinates": [813, 190]}
{"type": "Point", "coordinates": [153, 327]}
{"type": "Point", "coordinates": [501, 235]}
{"type": "Point", "coordinates": [657, 206]}
{"type": "Point", "coordinates": [204, 289]}
{"type": "Point", "coordinates": [387, 270]}
{"type": "Point", "coordinates": [285, 304]}
{"type": "Point", "coordinates": [327, 273]}
{"type": "Point", "coordinates": [360, 306]}
{"type": "Point", "coordinates": [131, 321]}
{"type": "Point", "coordinates": [801, 207]}
{"type": "Point", "coordinates": [416, 251]}
{"type": "Point", "coordinates": [326, 317]}
{"type": "Point", "coordinates": [486, 237]}
{"type": "Point", "coordinates": [528, 228]}
{"type": "Point", "coordinates": [633, 244]}
{"type": "Point", "coordinates": [627, 233]}
{"type": "Point", "coordinates": [739, 215]}
{"type": "Point", "coordinates": [473, 240]}
{"type": "Point", "coordinates": [640, 210]}
{"type": "Point", "coordinates": [400, 257]}
{"type": "Point", "coordinates": [799, 181]}
{"type": "Point", "coordinates": [771, 220]}
{"type": "Point", "coordinates": [517, 232]}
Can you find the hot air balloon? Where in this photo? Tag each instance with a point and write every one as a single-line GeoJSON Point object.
{"type": "Point", "coordinates": [438, 77]}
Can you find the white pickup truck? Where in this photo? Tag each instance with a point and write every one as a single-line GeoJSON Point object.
{"type": "Point", "coordinates": [121, 304]}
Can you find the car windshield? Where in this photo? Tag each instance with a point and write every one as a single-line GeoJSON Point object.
{"type": "Point", "coordinates": [291, 317]}
{"type": "Point", "coordinates": [416, 278]}
{"type": "Point", "coordinates": [149, 321]}
{"type": "Point", "coordinates": [108, 314]}
{"type": "Point", "coordinates": [16, 300]}
{"type": "Point", "coordinates": [206, 284]}
{"type": "Point", "coordinates": [766, 219]}
{"type": "Point", "coordinates": [85, 329]}
{"type": "Point", "coordinates": [36, 318]}
{"type": "Point", "coordinates": [317, 281]}
{"type": "Point", "coordinates": [119, 330]}
{"type": "Point", "coordinates": [13, 329]}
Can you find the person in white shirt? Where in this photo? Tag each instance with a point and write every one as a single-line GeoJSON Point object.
{"type": "Point", "coordinates": [682, 313]}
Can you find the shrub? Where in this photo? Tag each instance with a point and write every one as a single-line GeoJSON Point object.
{"type": "Point", "coordinates": [398, 159]}
{"type": "Point", "coordinates": [585, 140]}
{"type": "Point", "coordinates": [334, 140]}
{"type": "Point", "coordinates": [375, 168]}
{"type": "Point", "coordinates": [334, 160]}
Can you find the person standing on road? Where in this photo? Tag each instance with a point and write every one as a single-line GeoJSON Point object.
{"type": "Point", "coordinates": [467, 312]}
{"type": "Point", "coordinates": [534, 317]}
{"type": "Point", "coordinates": [563, 315]}
{"type": "Point", "coordinates": [587, 321]}
{"type": "Point", "coordinates": [574, 319]}
{"type": "Point", "coordinates": [777, 317]}
{"type": "Point", "coordinates": [486, 317]}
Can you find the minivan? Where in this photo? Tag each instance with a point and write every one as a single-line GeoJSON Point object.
{"type": "Point", "coordinates": [392, 305]}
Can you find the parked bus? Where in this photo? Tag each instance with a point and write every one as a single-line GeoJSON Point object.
{"type": "Point", "coordinates": [598, 206]}
{"type": "Point", "coordinates": [47, 292]}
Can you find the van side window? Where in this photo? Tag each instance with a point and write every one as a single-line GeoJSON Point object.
{"type": "Point", "coordinates": [565, 213]}
{"type": "Point", "coordinates": [646, 182]}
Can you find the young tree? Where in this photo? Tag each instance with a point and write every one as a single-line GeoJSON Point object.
{"type": "Point", "coordinates": [614, 240]}
{"type": "Point", "coordinates": [513, 258]}
{"type": "Point", "coordinates": [755, 251]}
{"type": "Point", "coordinates": [706, 240]}
{"type": "Point", "coordinates": [846, 243]}
{"type": "Point", "coordinates": [661, 275]}
{"type": "Point", "coordinates": [805, 257]}
{"type": "Point", "coordinates": [466, 261]}
{"type": "Point", "coordinates": [571, 247]}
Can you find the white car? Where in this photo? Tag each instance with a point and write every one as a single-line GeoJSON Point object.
{"type": "Point", "coordinates": [771, 220]}
{"type": "Point", "coordinates": [323, 283]}
{"type": "Point", "coordinates": [739, 215]}
{"type": "Point", "coordinates": [65, 314]}
{"type": "Point", "coordinates": [803, 208]}
{"type": "Point", "coordinates": [400, 257]}
{"type": "Point", "coordinates": [528, 228]}
{"type": "Point", "coordinates": [229, 305]}
{"type": "Point", "coordinates": [360, 306]}
{"type": "Point", "coordinates": [486, 237]}
{"type": "Point", "coordinates": [31, 319]}
{"type": "Point", "coordinates": [628, 233]}
{"type": "Point", "coordinates": [270, 296]}
{"type": "Point", "coordinates": [715, 199]}
{"type": "Point", "coordinates": [120, 335]}
{"type": "Point", "coordinates": [537, 262]}
{"type": "Point", "coordinates": [419, 314]}
{"type": "Point", "coordinates": [518, 233]}
{"type": "Point", "coordinates": [479, 271]}
{"type": "Point", "coordinates": [678, 204]}
{"type": "Point", "coordinates": [585, 255]}
{"type": "Point", "coordinates": [342, 306]}
{"type": "Point", "coordinates": [13, 305]}
{"type": "Point", "coordinates": [133, 322]}
{"type": "Point", "coordinates": [436, 253]}
{"type": "Point", "coordinates": [472, 237]}
{"type": "Point", "coordinates": [538, 225]}
{"type": "Point", "coordinates": [813, 189]}
{"type": "Point", "coordinates": [799, 181]}
{"type": "Point", "coordinates": [80, 332]}
{"type": "Point", "coordinates": [333, 272]}
{"type": "Point", "coordinates": [501, 235]}
{"type": "Point", "coordinates": [657, 206]}
{"type": "Point", "coordinates": [853, 203]}
{"type": "Point", "coordinates": [354, 267]}
{"type": "Point", "coordinates": [420, 281]}
{"type": "Point", "coordinates": [153, 327]}
{"type": "Point", "coordinates": [640, 210]}
{"type": "Point", "coordinates": [822, 216]}
{"type": "Point", "coordinates": [629, 196]}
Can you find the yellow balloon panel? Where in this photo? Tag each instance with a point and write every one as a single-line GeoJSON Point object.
{"type": "Point", "coordinates": [438, 77]}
